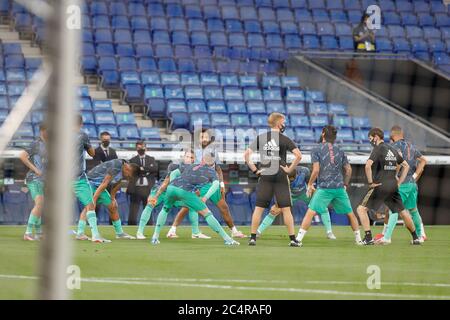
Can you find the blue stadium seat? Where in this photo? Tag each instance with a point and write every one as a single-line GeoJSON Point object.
{"type": "Point", "coordinates": [173, 92]}
{"type": "Point", "coordinates": [345, 135]}
{"type": "Point", "coordinates": [209, 79]}
{"type": "Point", "coordinates": [304, 135]}
{"type": "Point", "coordinates": [206, 66]}
{"type": "Point", "coordinates": [252, 94]}
{"type": "Point", "coordinates": [361, 122]}
{"type": "Point", "coordinates": [290, 82]}
{"type": "Point", "coordinates": [150, 133]}
{"type": "Point", "coordinates": [193, 93]}
{"type": "Point", "coordinates": [320, 15]}
{"type": "Point", "coordinates": [139, 23]}
{"type": "Point", "coordinates": [91, 131]}
{"type": "Point", "coordinates": [88, 117]}
{"type": "Point", "coordinates": [150, 78]}
{"type": "Point", "coordinates": [338, 109]}
{"type": "Point", "coordinates": [129, 132]}
{"type": "Point", "coordinates": [431, 32]}
{"type": "Point", "coordinates": [125, 118]}
{"type": "Point", "coordinates": [413, 32]}
{"type": "Point", "coordinates": [104, 117]}
{"type": "Point", "coordinates": [142, 37]}
{"type": "Point", "coordinates": [220, 120]}
{"type": "Point", "coordinates": [361, 136]}
{"type": "Point", "coordinates": [175, 106]}
{"type": "Point", "coordinates": [252, 26]}
{"type": "Point", "coordinates": [111, 129]}
{"type": "Point", "coordinates": [256, 107]}
{"type": "Point", "coordinates": [153, 91]}
{"type": "Point", "coordinates": [236, 106]}
{"type": "Point", "coordinates": [325, 29]}
{"type": "Point", "coordinates": [298, 120]}
{"type": "Point", "coordinates": [272, 95]}
{"type": "Point", "coordinates": [258, 120]}
{"type": "Point", "coordinates": [102, 105]}
{"type": "Point", "coordinates": [239, 203]}
{"type": "Point", "coordinates": [161, 37]}
{"type": "Point", "coordinates": [130, 77]}
{"type": "Point", "coordinates": [229, 80]}
{"type": "Point", "coordinates": [342, 121]}
{"type": "Point", "coordinates": [402, 45]}
{"type": "Point", "coordinates": [239, 120]}
{"type": "Point", "coordinates": [329, 43]}
{"type": "Point", "coordinates": [311, 42]}
{"type": "Point", "coordinates": [292, 42]}
{"type": "Point", "coordinates": [147, 64]}
{"type": "Point", "coordinates": [213, 93]}
{"type": "Point", "coordinates": [318, 108]}
{"type": "Point", "coordinates": [436, 45]}
{"type": "Point", "coordinates": [231, 93]}
{"type": "Point", "coordinates": [295, 95]}
{"type": "Point", "coordinates": [156, 108]}
{"type": "Point", "coordinates": [319, 121]}
{"type": "Point", "coordinates": [270, 27]}
{"type": "Point", "coordinates": [302, 15]}
{"type": "Point", "coordinates": [170, 79]}
{"type": "Point", "coordinates": [196, 106]}
{"type": "Point", "coordinates": [190, 79]}
{"type": "Point", "coordinates": [177, 24]}
{"type": "Point", "coordinates": [295, 108]}
{"type": "Point", "coordinates": [133, 94]}
{"type": "Point", "coordinates": [392, 18]}
{"type": "Point", "coordinates": [275, 106]}
{"type": "Point", "coordinates": [383, 45]}
{"type": "Point", "coordinates": [343, 29]}
{"type": "Point", "coordinates": [199, 118]}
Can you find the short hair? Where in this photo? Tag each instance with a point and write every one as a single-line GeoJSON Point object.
{"type": "Point", "coordinates": [135, 169]}
{"type": "Point", "coordinates": [79, 119]}
{"type": "Point", "coordinates": [376, 132]}
{"type": "Point", "coordinates": [396, 129]}
{"type": "Point", "coordinates": [140, 143]}
{"type": "Point", "coordinates": [105, 133]}
{"type": "Point", "coordinates": [330, 133]}
{"type": "Point", "coordinates": [42, 126]}
{"type": "Point", "coordinates": [274, 117]}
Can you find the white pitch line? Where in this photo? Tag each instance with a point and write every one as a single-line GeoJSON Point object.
{"type": "Point", "coordinates": [228, 287]}
{"type": "Point", "coordinates": [383, 283]}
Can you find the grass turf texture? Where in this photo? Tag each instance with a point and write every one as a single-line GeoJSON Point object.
{"type": "Point", "coordinates": [186, 268]}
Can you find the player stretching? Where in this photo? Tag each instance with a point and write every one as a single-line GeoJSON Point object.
{"type": "Point", "coordinates": [383, 184]}
{"type": "Point", "coordinates": [408, 189]}
{"type": "Point", "coordinates": [35, 158]}
{"type": "Point", "coordinates": [162, 184]}
{"type": "Point", "coordinates": [273, 174]}
{"type": "Point", "coordinates": [81, 185]}
{"type": "Point", "coordinates": [218, 198]}
{"type": "Point", "coordinates": [181, 191]}
{"type": "Point", "coordinates": [298, 179]}
{"type": "Point", "coordinates": [100, 177]}
{"type": "Point", "coordinates": [329, 161]}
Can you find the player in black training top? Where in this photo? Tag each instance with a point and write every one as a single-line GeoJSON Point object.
{"type": "Point", "coordinates": [273, 173]}
{"type": "Point", "coordinates": [383, 184]}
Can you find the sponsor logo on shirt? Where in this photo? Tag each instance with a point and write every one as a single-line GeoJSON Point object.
{"type": "Point", "coordinates": [271, 146]}
{"type": "Point", "coordinates": [390, 156]}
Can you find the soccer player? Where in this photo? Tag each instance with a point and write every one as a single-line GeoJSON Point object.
{"type": "Point", "coordinates": [218, 198]}
{"type": "Point", "coordinates": [188, 158]}
{"type": "Point", "coordinates": [298, 180]}
{"type": "Point", "coordinates": [273, 174]}
{"type": "Point", "coordinates": [383, 184]}
{"type": "Point", "coordinates": [408, 189]}
{"type": "Point", "coordinates": [182, 190]}
{"type": "Point", "coordinates": [35, 158]}
{"type": "Point", "coordinates": [329, 163]}
{"type": "Point", "coordinates": [100, 177]}
{"type": "Point", "coordinates": [81, 185]}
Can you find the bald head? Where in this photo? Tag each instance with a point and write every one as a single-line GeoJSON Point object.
{"type": "Point", "coordinates": [396, 133]}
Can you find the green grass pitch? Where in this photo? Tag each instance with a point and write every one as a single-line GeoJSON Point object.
{"type": "Point", "coordinates": [185, 268]}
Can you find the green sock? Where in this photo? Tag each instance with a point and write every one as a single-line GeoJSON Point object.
{"type": "Point", "coordinates": [145, 216]}
{"type": "Point", "coordinates": [326, 220]}
{"type": "Point", "coordinates": [417, 221]}
{"type": "Point", "coordinates": [92, 220]}
{"type": "Point", "coordinates": [160, 222]}
{"type": "Point", "coordinates": [32, 219]}
{"type": "Point", "coordinates": [38, 225]}
{"type": "Point", "coordinates": [193, 218]}
{"type": "Point", "coordinates": [393, 217]}
{"type": "Point", "coordinates": [117, 226]}
{"type": "Point", "coordinates": [267, 222]}
{"type": "Point", "coordinates": [215, 225]}
{"type": "Point", "coordinates": [81, 227]}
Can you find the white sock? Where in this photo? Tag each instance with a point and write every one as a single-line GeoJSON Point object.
{"type": "Point", "coordinates": [301, 234]}
{"type": "Point", "coordinates": [173, 229]}
{"type": "Point", "coordinates": [234, 229]}
{"type": "Point", "coordinates": [423, 231]}
{"type": "Point", "coordinates": [385, 228]}
{"type": "Point", "coordinates": [357, 236]}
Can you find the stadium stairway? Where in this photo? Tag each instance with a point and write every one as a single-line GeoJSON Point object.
{"type": "Point", "coordinates": [29, 50]}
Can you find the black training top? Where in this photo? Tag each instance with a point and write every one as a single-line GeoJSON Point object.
{"type": "Point", "coordinates": [385, 159]}
{"type": "Point", "coordinates": [273, 147]}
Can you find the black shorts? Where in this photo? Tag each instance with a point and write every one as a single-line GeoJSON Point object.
{"type": "Point", "coordinates": [274, 185]}
{"type": "Point", "coordinates": [383, 194]}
